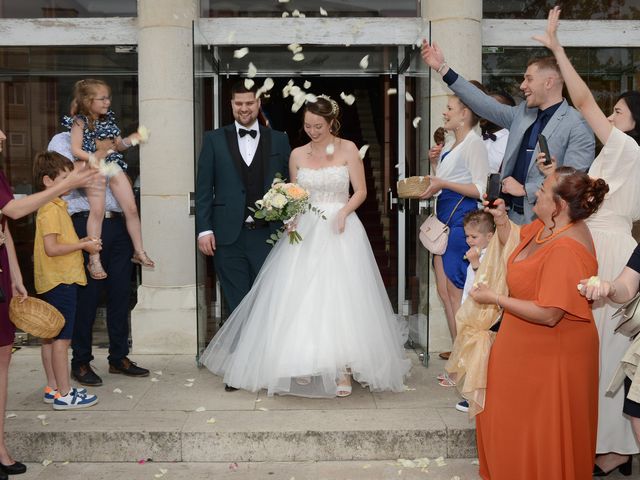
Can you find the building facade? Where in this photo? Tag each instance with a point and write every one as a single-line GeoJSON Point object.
{"type": "Point", "coordinates": [170, 64]}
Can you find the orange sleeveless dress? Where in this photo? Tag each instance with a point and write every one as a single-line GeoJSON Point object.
{"type": "Point", "coordinates": [540, 416]}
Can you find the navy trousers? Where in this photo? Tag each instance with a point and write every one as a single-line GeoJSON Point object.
{"type": "Point", "coordinates": [116, 259]}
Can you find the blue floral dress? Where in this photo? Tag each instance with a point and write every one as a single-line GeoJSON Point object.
{"type": "Point", "coordinates": [103, 128]}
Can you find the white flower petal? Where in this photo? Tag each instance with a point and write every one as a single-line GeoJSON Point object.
{"type": "Point", "coordinates": [248, 83]}
{"type": "Point", "coordinates": [311, 98]}
{"type": "Point", "coordinates": [158, 372]}
{"type": "Point", "coordinates": [348, 99]}
{"type": "Point", "coordinates": [283, 1]}
{"type": "Point", "coordinates": [295, 48]}
{"type": "Point", "coordinates": [364, 63]}
{"type": "Point", "coordinates": [154, 379]}
{"type": "Point", "coordinates": [330, 149]}
{"type": "Point", "coordinates": [392, 91]}
{"type": "Point", "coordinates": [262, 409]}
{"type": "Point", "coordinates": [302, 15]}
{"type": "Point", "coordinates": [117, 390]}
{"type": "Point", "coordinates": [408, 97]}
{"type": "Point", "coordinates": [323, 12]}
{"type": "Point", "coordinates": [307, 84]}
{"type": "Point", "coordinates": [285, 14]}
{"type": "Point", "coordinates": [416, 121]}
{"type": "Point", "coordinates": [363, 151]}
{"type": "Point", "coordinates": [163, 470]}
{"type": "Point", "coordinates": [191, 380]}
{"type": "Point", "coordinates": [211, 420]}
{"type": "Point", "coordinates": [41, 417]}
{"type": "Point", "coordinates": [268, 84]}
{"type": "Point", "coordinates": [200, 409]}
{"type": "Point", "coordinates": [188, 385]}
{"type": "Point", "coordinates": [10, 415]}
{"type": "Point", "coordinates": [298, 57]}
{"type": "Point", "coordinates": [46, 462]}
{"type": "Point", "coordinates": [130, 397]}
{"type": "Point", "coordinates": [252, 70]}
{"type": "Point", "coordinates": [144, 135]}
{"type": "Point", "coordinates": [295, 13]}
{"type": "Point", "coordinates": [241, 52]}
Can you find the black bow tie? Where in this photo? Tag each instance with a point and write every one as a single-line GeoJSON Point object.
{"type": "Point", "coordinates": [489, 136]}
{"type": "Point", "coordinates": [243, 131]}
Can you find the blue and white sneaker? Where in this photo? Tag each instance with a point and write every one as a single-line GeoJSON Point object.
{"type": "Point", "coordinates": [50, 394]}
{"type": "Point", "coordinates": [462, 406]}
{"type": "Point", "coordinates": [74, 399]}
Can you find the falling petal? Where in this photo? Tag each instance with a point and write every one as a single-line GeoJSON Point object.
{"type": "Point", "coordinates": [117, 390]}
{"type": "Point", "coordinates": [286, 90]}
{"type": "Point", "coordinates": [241, 52]}
{"type": "Point", "coordinates": [268, 84]}
{"type": "Point", "coordinates": [248, 83]}
{"type": "Point", "coordinates": [298, 57]}
{"type": "Point", "coordinates": [10, 415]}
{"type": "Point", "coordinates": [188, 384]}
{"type": "Point", "coordinates": [311, 98]}
{"type": "Point", "coordinates": [330, 149]}
{"type": "Point", "coordinates": [252, 70]}
{"type": "Point", "coordinates": [262, 409]}
{"type": "Point", "coordinates": [408, 97]}
{"type": "Point", "coordinates": [191, 380]}
{"type": "Point", "coordinates": [295, 91]}
{"type": "Point", "coordinates": [392, 91]}
{"type": "Point", "coordinates": [364, 63]}
{"type": "Point", "coordinates": [307, 84]}
{"type": "Point", "coordinates": [363, 151]}
{"type": "Point", "coordinates": [348, 99]}
{"type": "Point", "coordinates": [46, 462]}
{"type": "Point", "coordinates": [416, 121]}
{"type": "Point", "coordinates": [285, 14]}
{"type": "Point", "coordinates": [200, 409]}
{"type": "Point", "coordinates": [158, 372]}
{"type": "Point", "coordinates": [154, 379]}
{"type": "Point", "coordinates": [295, 13]}
{"type": "Point", "coordinates": [295, 47]}
{"type": "Point", "coordinates": [211, 420]}
{"type": "Point", "coordinates": [41, 417]}
{"type": "Point", "coordinates": [323, 12]}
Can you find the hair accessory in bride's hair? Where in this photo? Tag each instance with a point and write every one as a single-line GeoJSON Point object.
{"type": "Point", "coordinates": [334, 105]}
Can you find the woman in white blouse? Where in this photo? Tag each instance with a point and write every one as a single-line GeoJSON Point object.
{"type": "Point", "coordinates": [461, 168]}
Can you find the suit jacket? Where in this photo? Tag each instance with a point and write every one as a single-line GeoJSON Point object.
{"type": "Point", "coordinates": [220, 191]}
{"type": "Point", "coordinates": [569, 137]}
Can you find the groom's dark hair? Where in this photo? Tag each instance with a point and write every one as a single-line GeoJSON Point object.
{"type": "Point", "coordinates": [240, 87]}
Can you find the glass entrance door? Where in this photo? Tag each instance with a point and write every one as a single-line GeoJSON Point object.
{"type": "Point", "coordinates": [381, 117]}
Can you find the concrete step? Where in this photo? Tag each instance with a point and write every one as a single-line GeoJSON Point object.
{"type": "Point", "coordinates": [160, 420]}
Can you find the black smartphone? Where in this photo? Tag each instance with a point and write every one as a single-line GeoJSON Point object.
{"type": "Point", "coordinates": [544, 148]}
{"type": "Point", "coordinates": [493, 188]}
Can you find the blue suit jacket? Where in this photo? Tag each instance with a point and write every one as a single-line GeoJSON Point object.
{"type": "Point", "coordinates": [569, 137]}
{"type": "Point", "coordinates": [220, 191]}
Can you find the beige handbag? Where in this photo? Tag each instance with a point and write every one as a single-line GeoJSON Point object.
{"type": "Point", "coordinates": [629, 323]}
{"type": "Point", "coordinates": [434, 234]}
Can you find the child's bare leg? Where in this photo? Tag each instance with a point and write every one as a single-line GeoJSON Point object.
{"type": "Point", "coordinates": [60, 363]}
{"type": "Point", "coordinates": [96, 198]}
{"type": "Point", "coordinates": [121, 188]}
{"type": "Point", "coordinates": [46, 352]}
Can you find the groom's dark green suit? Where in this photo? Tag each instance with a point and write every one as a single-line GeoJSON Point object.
{"type": "Point", "coordinates": [223, 190]}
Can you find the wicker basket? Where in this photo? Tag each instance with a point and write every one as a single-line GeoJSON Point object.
{"type": "Point", "coordinates": [412, 187]}
{"type": "Point", "coordinates": [36, 317]}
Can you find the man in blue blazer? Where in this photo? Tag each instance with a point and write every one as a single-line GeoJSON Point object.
{"type": "Point", "coordinates": [236, 166]}
{"type": "Point", "coordinates": [545, 111]}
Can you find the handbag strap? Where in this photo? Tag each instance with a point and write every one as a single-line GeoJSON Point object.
{"type": "Point", "coordinates": [435, 209]}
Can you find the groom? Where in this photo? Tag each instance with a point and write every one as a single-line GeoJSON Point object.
{"type": "Point", "coordinates": [236, 167]}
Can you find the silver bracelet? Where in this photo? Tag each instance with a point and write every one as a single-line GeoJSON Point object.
{"type": "Point", "coordinates": [444, 64]}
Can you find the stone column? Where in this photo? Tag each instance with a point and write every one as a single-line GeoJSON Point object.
{"type": "Point", "coordinates": [164, 319]}
{"type": "Point", "coordinates": [456, 26]}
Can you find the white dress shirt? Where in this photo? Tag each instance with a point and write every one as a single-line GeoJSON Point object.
{"type": "Point", "coordinates": [247, 144]}
{"type": "Point", "coordinates": [496, 149]}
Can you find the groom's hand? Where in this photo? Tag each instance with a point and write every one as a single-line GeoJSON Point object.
{"type": "Point", "coordinates": [207, 244]}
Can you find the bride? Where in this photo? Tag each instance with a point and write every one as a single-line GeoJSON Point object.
{"type": "Point", "coordinates": [318, 313]}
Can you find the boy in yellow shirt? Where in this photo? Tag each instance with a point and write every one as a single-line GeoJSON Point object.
{"type": "Point", "coordinates": [58, 270]}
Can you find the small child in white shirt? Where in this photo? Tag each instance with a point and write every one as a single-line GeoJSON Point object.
{"type": "Point", "coordinates": [478, 230]}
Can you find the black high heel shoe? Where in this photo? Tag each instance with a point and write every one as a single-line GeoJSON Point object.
{"type": "Point", "coordinates": [624, 469]}
{"type": "Point", "coordinates": [16, 468]}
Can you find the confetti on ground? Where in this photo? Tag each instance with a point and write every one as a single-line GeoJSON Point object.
{"type": "Point", "coordinates": [157, 372]}
{"type": "Point", "coordinates": [241, 52]}
{"type": "Point", "coordinates": [323, 12]}
{"type": "Point", "coordinates": [440, 462]}
{"type": "Point", "coordinates": [117, 390]}
{"type": "Point", "coordinates": [248, 83]}
{"type": "Point", "coordinates": [416, 121]}
{"type": "Point", "coordinates": [348, 99]}
{"type": "Point", "coordinates": [475, 462]}
{"type": "Point", "coordinates": [252, 71]}
{"type": "Point", "coordinates": [330, 149]}
{"type": "Point", "coordinates": [10, 415]}
{"type": "Point", "coordinates": [258, 400]}
{"type": "Point", "coordinates": [191, 380]}
{"type": "Point", "coordinates": [233, 466]}
{"type": "Point", "coordinates": [408, 97]}
{"type": "Point", "coordinates": [409, 389]}
{"type": "Point", "coordinates": [364, 63]}
{"type": "Point", "coordinates": [41, 417]}
{"type": "Point", "coordinates": [366, 466]}
{"type": "Point", "coordinates": [154, 379]}
{"type": "Point", "coordinates": [455, 477]}
{"type": "Point", "coordinates": [188, 385]}
{"type": "Point", "coordinates": [262, 409]}
{"type": "Point", "coordinates": [392, 91]}
{"type": "Point", "coordinates": [211, 420]}
{"type": "Point", "coordinates": [129, 397]}
{"type": "Point", "coordinates": [65, 463]}
{"type": "Point", "coordinates": [200, 409]}
{"type": "Point", "coordinates": [46, 462]}
{"type": "Point", "coordinates": [363, 151]}
{"type": "Point", "coordinates": [406, 463]}
{"type": "Point", "coordinates": [307, 84]}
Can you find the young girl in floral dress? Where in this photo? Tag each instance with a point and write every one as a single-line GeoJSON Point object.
{"type": "Point", "coordinates": [92, 120]}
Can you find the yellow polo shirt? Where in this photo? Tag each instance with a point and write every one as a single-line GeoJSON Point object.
{"type": "Point", "coordinates": [49, 272]}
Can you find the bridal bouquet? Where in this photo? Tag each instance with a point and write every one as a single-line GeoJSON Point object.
{"type": "Point", "coordinates": [284, 202]}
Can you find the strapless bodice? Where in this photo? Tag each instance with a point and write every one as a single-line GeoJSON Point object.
{"type": "Point", "coordinates": [325, 185]}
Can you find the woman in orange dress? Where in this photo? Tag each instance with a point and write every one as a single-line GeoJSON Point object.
{"type": "Point", "coordinates": [540, 416]}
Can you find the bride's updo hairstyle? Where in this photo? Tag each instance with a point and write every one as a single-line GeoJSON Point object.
{"type": "Point", "coordinates": [328, 109]}
{"type": "Point", "coordinates": [583, 194]}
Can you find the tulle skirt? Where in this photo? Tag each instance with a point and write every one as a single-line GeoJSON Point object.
{"type": "Point", "coordinates": [317, 310]}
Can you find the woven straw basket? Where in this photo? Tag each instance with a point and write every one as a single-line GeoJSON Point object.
{"type": "Point", "coordinates": [36, 317]}
{"type": "Point", "coordinates": [412, 187]}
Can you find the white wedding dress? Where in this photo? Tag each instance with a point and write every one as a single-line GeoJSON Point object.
{"type": "Point", "coordinates": [316, 309]}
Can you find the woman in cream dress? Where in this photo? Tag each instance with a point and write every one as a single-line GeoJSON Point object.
{"type": "Point", "coordinates": [619, 165]}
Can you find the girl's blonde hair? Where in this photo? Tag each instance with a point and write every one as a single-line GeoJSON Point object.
{"type": "Point", "coordinates": [84, 92]}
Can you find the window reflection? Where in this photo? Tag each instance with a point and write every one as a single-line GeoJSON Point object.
{"type": "Point", "coordinates": [67, 8]}
{"type": "Point", "coordinates": [571, 9]}
{"type": "Point", "coordinates": [310, 8]}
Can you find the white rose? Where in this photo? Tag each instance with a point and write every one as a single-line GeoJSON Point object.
{"type": "Point", "coordinates": [278, 200]}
